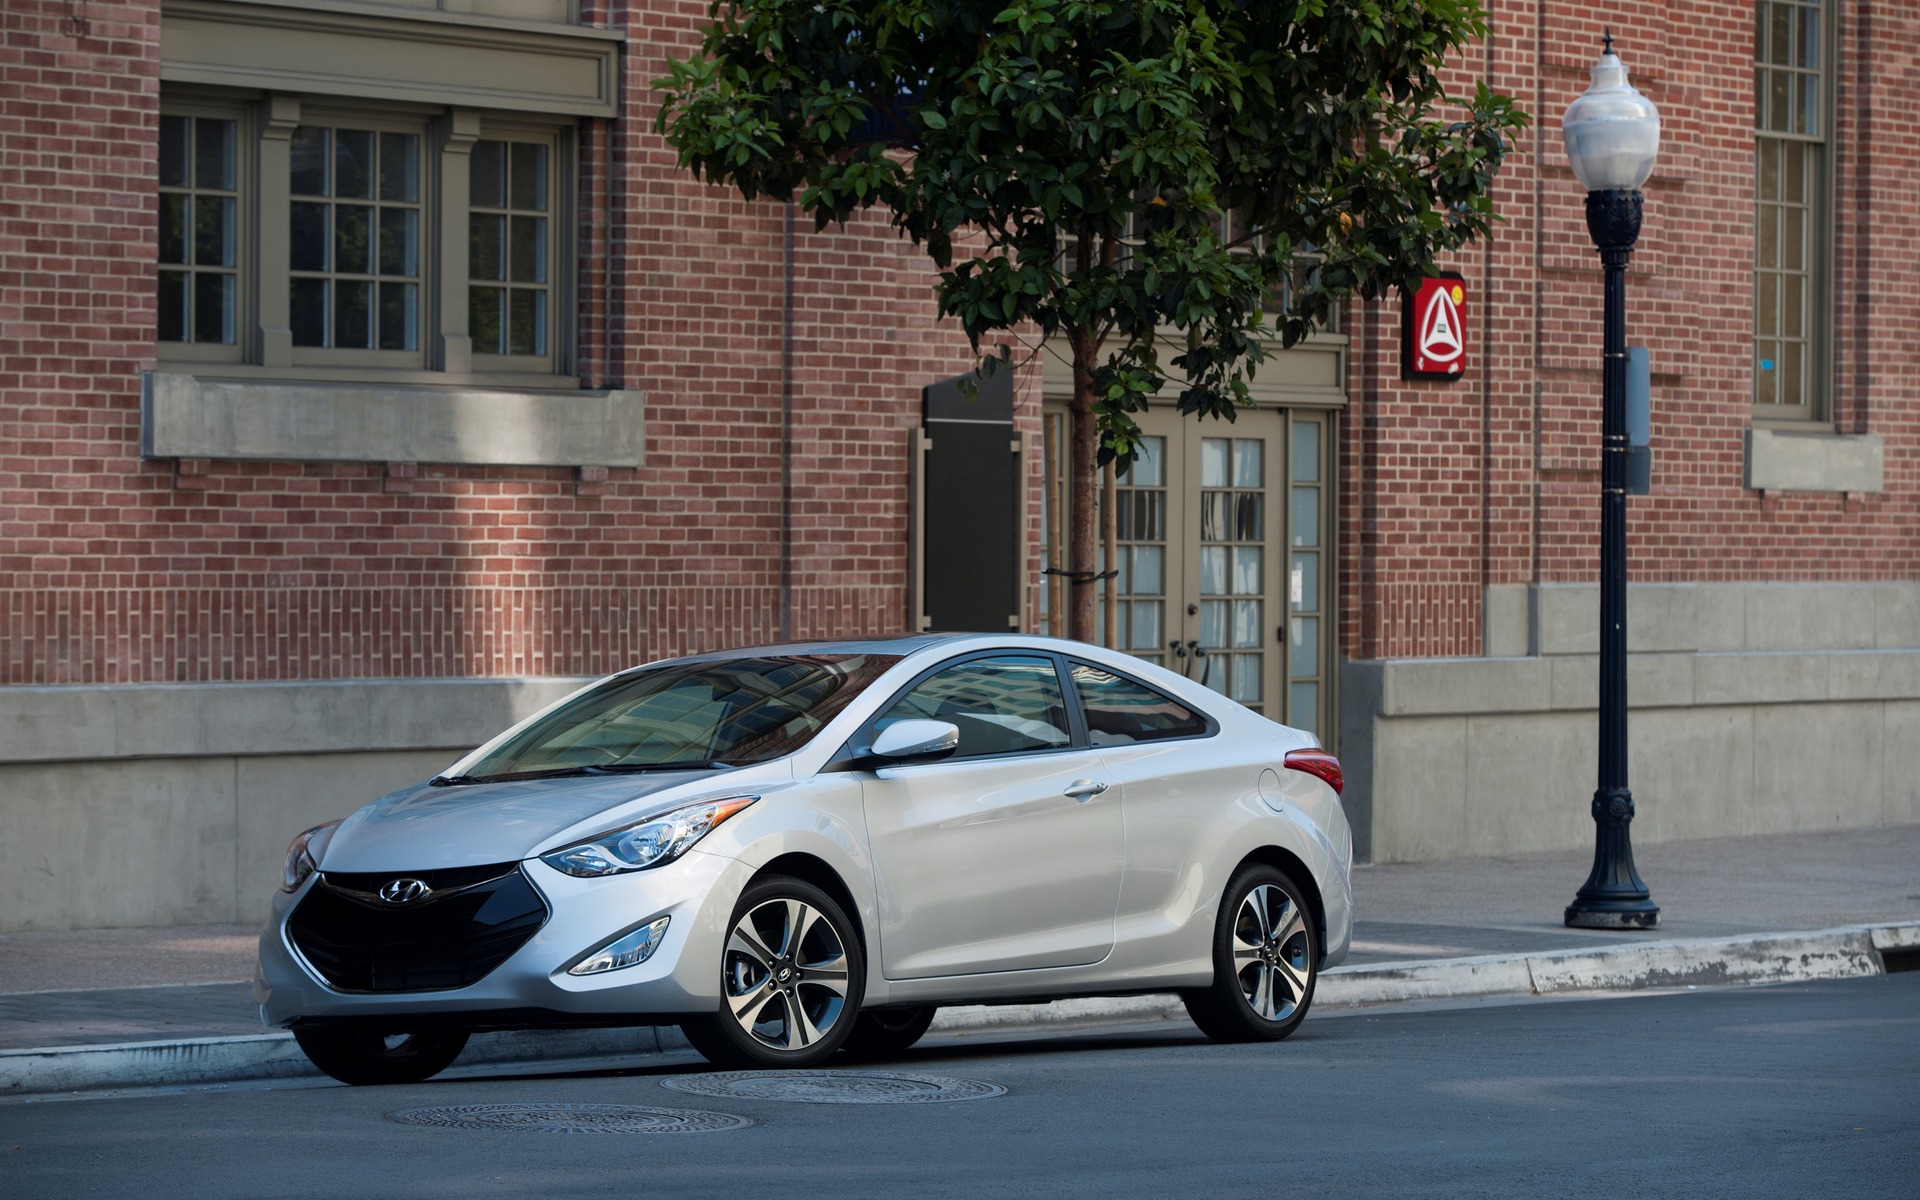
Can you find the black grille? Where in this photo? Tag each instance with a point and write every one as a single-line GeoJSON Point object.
{"type": "Point", "coordinates": [450, 940]}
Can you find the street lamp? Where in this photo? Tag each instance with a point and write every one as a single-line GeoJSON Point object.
{"type": "Point", "coordinates": [1612, 134]}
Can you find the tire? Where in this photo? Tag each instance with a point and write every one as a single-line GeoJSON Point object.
{"type": "Point", "coordinates": [885, 1032]}
{"type": "Point", "coordinates": [1266, 960]}
{"type": "Point", "coordinates": [366, 1058]}
{"type": "Point", "coordinates": [791, 978]}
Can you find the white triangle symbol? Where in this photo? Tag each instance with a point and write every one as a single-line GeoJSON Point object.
{"type": "Point", "coordinates": [1438, 339]}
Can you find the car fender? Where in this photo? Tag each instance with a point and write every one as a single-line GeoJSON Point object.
{"type": "Point", "coordinates": [828, 825]}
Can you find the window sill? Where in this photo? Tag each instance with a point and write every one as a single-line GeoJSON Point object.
{"type": "Point", "coordinates": [188, 416]}
{"type": "Point", "coordinates": [1814, 460]}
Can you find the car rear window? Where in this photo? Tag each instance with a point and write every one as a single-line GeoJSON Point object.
{"type": "Point", "coordinates": [1120, 710]}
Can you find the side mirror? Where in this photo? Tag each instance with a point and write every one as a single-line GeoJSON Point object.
{"type": "Point", "coordinates": [916, 741]}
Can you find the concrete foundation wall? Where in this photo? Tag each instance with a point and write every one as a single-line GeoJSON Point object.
{"type": "Point", "coordinates": [173, 804]}
{"type": "Point", "coordinates": [1753, 709]}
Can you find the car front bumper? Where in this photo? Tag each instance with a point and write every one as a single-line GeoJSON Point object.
{"type": "Point", "coordinates": [682, 976]}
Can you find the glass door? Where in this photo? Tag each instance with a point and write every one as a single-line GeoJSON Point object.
{"type": "Point", "coordinates": [1222, 545]}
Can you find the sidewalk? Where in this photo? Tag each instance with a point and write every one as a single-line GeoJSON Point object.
{"type": "Point", "coordinates": [1736, 910]}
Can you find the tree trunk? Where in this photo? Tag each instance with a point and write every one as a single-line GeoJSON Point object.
{"type": "Point", "coordinates": [1084, 436]}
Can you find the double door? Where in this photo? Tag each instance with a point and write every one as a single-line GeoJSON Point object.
{"type": "Point", "coordinates": [1224, 558]}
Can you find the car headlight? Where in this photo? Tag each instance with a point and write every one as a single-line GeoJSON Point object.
{"type": "Point", "coordinates": [654, 841]}
{"type": "Point", "coordinates": [299, 862]}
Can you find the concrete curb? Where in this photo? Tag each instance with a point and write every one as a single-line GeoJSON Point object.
{"type": "Point", "coordinates": [1843, 953]}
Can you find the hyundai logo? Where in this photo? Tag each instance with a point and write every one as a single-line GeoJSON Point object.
{"type": "Point", "coordinates": [405, 891]}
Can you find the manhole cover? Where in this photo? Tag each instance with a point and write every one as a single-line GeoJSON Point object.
{"type": "Point", "coordinates": [835, 1087]}
{"type": "Point", "coordinates": [571, 1118]}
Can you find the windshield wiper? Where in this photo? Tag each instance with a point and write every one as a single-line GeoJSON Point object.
{"type": "Point", "coordinates": [574, 772]}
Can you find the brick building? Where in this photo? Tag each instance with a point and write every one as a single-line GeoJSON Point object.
{"type": "Point", "coordinates": [369, 376]}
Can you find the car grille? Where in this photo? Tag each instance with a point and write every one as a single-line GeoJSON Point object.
{"type": "Point", "coordinates": [472, 921]}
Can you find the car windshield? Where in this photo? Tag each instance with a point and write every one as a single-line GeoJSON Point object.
{"type": "Point", "coordinates": [695, 715]}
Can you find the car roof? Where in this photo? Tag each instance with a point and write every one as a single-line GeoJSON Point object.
{"type": "Point", "coordinates": [901, 645]}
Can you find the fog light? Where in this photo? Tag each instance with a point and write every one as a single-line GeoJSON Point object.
{"type": "Point", "coordinates": [636, 947]}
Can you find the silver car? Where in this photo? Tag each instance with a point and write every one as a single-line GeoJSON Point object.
{"type": "Point", "coordinates": [799, 850]}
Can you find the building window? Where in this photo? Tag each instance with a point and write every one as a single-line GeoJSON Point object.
{"type": "Point", "coordinates": [199, 232]}
{"type": "Point", "coordinates": [509, 223]}
{"type": "Point", "coordinates": [1791, 224]}
{"type": "Point", "coordinates": [354, 239]}
{"type": "Point", "coordinates": [388, 240]}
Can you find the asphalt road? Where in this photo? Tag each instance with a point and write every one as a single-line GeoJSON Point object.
{"type": "Point", "coordinates": [1796, 1090]}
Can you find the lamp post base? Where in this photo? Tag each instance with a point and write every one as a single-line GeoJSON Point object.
{"type": "Point", "coordinates": [1644, 915]}
{"type": "Point", "coordinates": [1613, 896]}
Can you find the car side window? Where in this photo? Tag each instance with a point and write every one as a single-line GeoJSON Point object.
{"type": "Point", "coordinates": [1002, 705]}
{"type": "Point", "coordinates": [1121, 711]}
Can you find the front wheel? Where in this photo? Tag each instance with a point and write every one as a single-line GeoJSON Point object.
{"type": "Point", "coordinates": [1265, 960]}
{"type": "Point", "coordinates": [791, 978]}
{"type": "Point", "coordinates": [366, 1058]}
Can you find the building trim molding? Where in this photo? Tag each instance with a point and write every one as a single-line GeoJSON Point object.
{"type": "Point", "coordinates": [454, 59]}
{"type": "Point", "coordinates": [188, 416]}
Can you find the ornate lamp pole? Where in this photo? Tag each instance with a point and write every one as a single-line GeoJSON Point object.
{"type": "Point", "coordinates": [1612, 135]}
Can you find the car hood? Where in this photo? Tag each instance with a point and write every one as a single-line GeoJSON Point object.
{"type": "Point", "coordinates": [423, 828]}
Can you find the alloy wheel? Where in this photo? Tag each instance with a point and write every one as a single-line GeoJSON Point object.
{"type": "Point", "coordinates": [785, 971]}
{"type": "Point", "coordinates": [1272, 952]}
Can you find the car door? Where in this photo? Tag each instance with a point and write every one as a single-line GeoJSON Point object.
{"type": "Point", "coordinates": [1007, 855]}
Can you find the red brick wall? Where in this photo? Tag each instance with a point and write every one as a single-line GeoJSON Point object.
{"type": "Point", "coordinates": [1495, 479]}
{"type": "Point", "coordinates": [117, 570]}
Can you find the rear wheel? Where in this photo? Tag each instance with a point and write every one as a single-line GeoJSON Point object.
{"type": "Point", "coordinates": [1265, 960]}
{"type": "Point", "coordinates": [364, 1058]}
{"type": "Point", "coordinates": [791, 977]}
{"type": "Point", "coordinates": [884, 1032]}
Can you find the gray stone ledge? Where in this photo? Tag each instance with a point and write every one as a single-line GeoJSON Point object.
{"type": "Point", "coordinates": [1458, 687]}
{"type": "Point", "coordinates": [186, 416]}
{"type": "Point", "coordinates": [1751, 617]}
{"type": "Point", "coordinates": [1779, 460]}
{"type": "Point", "coordinates": [101, 722]}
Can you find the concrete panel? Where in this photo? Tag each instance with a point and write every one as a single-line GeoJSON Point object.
{"type": "Point", "coordinates": [1530, 782]}
{"type": "Point", "coordinates": [456, 712]}
{"type": "Point", "coordinates": [1817, 767]}
{"type": "Point", "coordinates": [1815, 462]}
{"type": "Point", "coordinates": [1569, 619]}
{"type": "Point", "coordinates": [1900, 799]}
{"type": "Point", "coordinates": [1691, 771]}
{"type": "Point", "coordinates": [1420, 790]}
{"type": "Point", "coordinates": [135, 842]}
{"type": "Point", "coordinates": [1896, 615]}
{"type": "Point", "coordinates": [1414, 687]}
{"type": "Point", "coordinates": [155, 721]}
{"type": "Point", "coordinates": [1661, 618]}
{"type": "Point", "coordinates": [1874, 675]}
{"type": "Point", "coordinates": [1653, 681]}
{"type": "Point", "coordinates": [1818, 616]}
{"type": "Point", "coordinates": [278, 797]}
{"type": "Point", "coordinates": [282, 718]}
{"type": "Point", "coordinates": [1507, 612]}
{"type": "Point", "coordinates": [56, 722]}
{"type": "Point", "coordinates": [41, 724]}
{"type": "Point", "coordinates": [1720, 617]}
{"type": "Point", "coordinates": [1759, 678]}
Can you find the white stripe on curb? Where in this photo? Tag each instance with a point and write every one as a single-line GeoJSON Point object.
{"type": "Point", "coordinates": [1843, 953]}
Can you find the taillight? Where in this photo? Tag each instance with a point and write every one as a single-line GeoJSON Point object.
{"type": "Point", "coordinates": [1319, 764]}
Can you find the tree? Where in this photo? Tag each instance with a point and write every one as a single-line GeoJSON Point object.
{"type": "Point", "coordinates": [1122, 175]}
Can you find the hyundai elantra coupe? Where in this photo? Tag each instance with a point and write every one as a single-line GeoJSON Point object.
{"type": "Point", "coordinates": [799, 850]}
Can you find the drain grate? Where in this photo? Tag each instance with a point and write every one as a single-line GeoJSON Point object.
{"type": "Point", "coordinates": [835, 1087]}
{"type": "Point", "coordinates": [571, 1118]}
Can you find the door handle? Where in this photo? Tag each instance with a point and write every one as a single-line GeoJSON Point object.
{"type": "Point", "coordinates": [1084, 789]}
